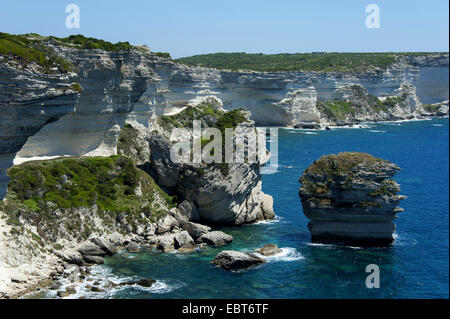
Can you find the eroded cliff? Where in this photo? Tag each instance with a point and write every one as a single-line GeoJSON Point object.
{"type": "Point", "coordinates": [47, 115]}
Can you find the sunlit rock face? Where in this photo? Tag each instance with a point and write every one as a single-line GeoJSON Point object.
{"type": "Point", "coordinates": [48, 120]}
{"type": "Point", "coordinates": [133, 86]}
{"type": "Point", "coordinates": [112, 83]}
{"type": "Point", "coordinates": [287, 98]}
{"type": "Point", "coordinates": [29, 100]}
{"type": "Point", "coordinates": [351, 198]}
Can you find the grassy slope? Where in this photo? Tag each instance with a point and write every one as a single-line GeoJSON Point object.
{"type": "Point", "coordinates": [40, 187]}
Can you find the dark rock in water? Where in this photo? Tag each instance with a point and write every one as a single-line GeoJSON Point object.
{"type": "Point", "coordinates": [69, 291]}
{"type": "Point", "coordinates": [145, 282]}
{"type": "Point", "coordinates": [327, 128]}
{"type": "Point", "coordinates": [233, 260]}
{"type": "Point", "coordinates": [215, 238]}
{"type": "Point", "coordinates": [133, 247]}
{"type": "Point", "coordinates": [268, 250]}
{"type": "Point", "coordinates": [97, 289]}
{"type": "Point", "coordinates": [308, 126]}
{"type": "Point", "coordinates": [267, 206]}
{"type": "Point", "coordinates": [55, 285]}
{"type": "Point", "coordinates": [350, 198]}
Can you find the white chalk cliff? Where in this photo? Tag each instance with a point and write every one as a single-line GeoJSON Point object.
{"type": "Point", "coordinates": [41, 115]}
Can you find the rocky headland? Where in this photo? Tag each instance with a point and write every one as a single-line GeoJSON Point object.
{"type": "Point", "coordinates": [62, 214]}
{"type": "Point", "coordinates": [351, 198]}
{"type": "Point", "coordinates": [102, 114]}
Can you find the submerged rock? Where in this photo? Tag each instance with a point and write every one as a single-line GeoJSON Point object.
{"type": "Point", "coordinates": [233, 260]}
{"type": "Point", "coordinates": [351, 198]}
{"type": "Point", "coordinates": [145, 282]}
{"type": "Point", "coordinates": [132, 247]}
{"type": "Point", "coordinates": [268, 250]}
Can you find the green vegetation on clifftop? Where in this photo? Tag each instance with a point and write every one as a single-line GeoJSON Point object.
{"type": "Point", "coordinates": [343, 163]}
{"type": "Point", "coordinates": [324, 62]}
{"type": "Point", "coordinates": [30, 48]}
{"type": "Point", "coordinates": [108, 182]}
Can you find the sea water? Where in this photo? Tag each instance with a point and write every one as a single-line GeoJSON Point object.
{"type": "Point", "coordinates": [415, 266]}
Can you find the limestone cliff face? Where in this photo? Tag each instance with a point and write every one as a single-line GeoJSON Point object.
{"type": "Point", "coordinates": [226, 193]}
{"type": "Point", "coordinates": [41, 115]}
{"type": "Point", "coordinates": [351, 198]}
{"type": "Point", "coordinates": [29, 100]}
{"type": "Point", "coordinates": [112, 83]}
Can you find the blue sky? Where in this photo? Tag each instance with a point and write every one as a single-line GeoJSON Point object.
{"type": "Point", "coordinates": [191, 27]}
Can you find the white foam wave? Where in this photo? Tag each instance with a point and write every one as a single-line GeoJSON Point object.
{"type": "Point", "coordinates": [437, 124]}
{"type": "Point", "coordinates": [332, 246]}
{"type": "Point", "coordinates": [377, 131]}
{"type": "Point", "coordinates": [310, 133]}
{"type": "Point", "coordinates": [275, 220]}
{"type": "Point", "coordinates": [286, 254]}
{"type": "Point", "coordinates": [106, 281]}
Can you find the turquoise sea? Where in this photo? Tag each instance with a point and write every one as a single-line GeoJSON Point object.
{"type": "Point", "coordinates": [416, 266]}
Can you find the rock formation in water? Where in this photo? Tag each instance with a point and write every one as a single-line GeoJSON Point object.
{"type": "Point", "coordinates": [235, 260]}
{"type": "Point", "coordinates": [350, 198]}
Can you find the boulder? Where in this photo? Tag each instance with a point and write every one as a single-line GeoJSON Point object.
{"type": "Point", "coordinates": [233, 260]}
{"type": "Point", "coordinates": [108, 247]}
{"type": "Point", "coordinates": [196, 230]}
{"type": "Point", "coordinates": [132, 247]}
{"type": "Point", "coordinates": [268, 250]}
{"type": "Point", "coordinates": [69, 291]}
{"type": "Point", "coordinates": [90, 249]}
{"type": "Point", "coordinates": [71, 257]}
{"type": "Point", "coordinates": [166, 224]}
{"type": "Point", "coordinates": [267, 206]}
{"type": "Point", "coordinates": [181, 219]}
{"type": "Point", "coordinates": [97, 289]}
{"type": "Point", "coordinates": [145, 282]}
{"type": "Point", "coordinates": [116, 238]}
{"type": "Point", "coordinates": [166, 242]}
{"type": "Point", "coordinates": [308, 126]}
{"type": "Point", "coordinates": [350, 198]}
{"type": "Point", "coordinates": [189, 210]}
{"type": "Point", "coordinates": [215, 238]}
{"type": "Point", "coordinates": [183, 239]}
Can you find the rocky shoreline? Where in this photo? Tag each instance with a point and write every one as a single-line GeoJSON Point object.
{"type": "Point", "coordinates": [48, 214]}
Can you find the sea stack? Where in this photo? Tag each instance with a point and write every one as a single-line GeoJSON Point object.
{"type": "Point", "coordinates": [350, 198]}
